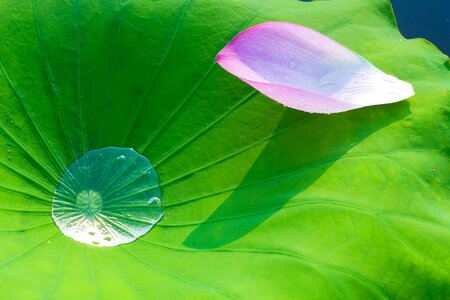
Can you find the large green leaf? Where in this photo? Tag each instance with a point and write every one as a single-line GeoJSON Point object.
{"type": "Point", "coordinates": [262, 202]}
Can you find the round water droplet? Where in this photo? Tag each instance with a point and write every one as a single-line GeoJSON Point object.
{"type": "Point", "coordinates": [286, 78]}
{"type": "Point", "coordinates": [108, 197]}
{"type": "Point", "coordinates": [292, 64]}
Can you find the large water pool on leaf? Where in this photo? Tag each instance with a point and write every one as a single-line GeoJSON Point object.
{"type": "Point", "coordinates": [108, 197]}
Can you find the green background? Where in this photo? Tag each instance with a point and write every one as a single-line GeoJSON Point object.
{"type": "Point", "coordinates": [261, 201]}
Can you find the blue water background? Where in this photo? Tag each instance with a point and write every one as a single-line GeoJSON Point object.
{"type": "Point", "coordinates": [428, 19]}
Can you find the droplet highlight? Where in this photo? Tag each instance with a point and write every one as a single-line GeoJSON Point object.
{"type": "Point", "coordinates": [292, 64]}
{"type": "Point", "coordinates": [108, 197]}
{"type": "Point", "coordinates": [390, 78]}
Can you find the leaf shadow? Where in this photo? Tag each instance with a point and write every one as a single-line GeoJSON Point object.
{"type": "Point", "coordinates": [303, 153]}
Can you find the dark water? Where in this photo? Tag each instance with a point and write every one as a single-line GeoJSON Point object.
{"type": "Point", "coordinates": [429, 19]}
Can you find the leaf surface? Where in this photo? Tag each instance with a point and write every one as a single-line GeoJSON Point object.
{"type": "Point", "coordinates": [261, 201]}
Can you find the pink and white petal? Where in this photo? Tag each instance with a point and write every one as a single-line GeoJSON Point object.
{"type": "Point", "coordinates": [301, 99]}
{"type": "Point", "coordinates": [279, 58]}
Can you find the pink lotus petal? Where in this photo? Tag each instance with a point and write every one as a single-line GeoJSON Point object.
{"type": "Point", "coordinates": [305, 70]}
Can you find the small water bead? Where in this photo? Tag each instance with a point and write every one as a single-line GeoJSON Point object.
{"type": "Point", "coordinates": [292, 64]}
{"type": "Point", "coordinates": [390, 78]}
{"type": "Point", "coordinates": [388, 84]}
{"type": "Point", "coordinates": [108, 197]}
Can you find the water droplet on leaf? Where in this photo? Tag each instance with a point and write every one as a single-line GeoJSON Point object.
{"type": "Point", "coordinates": [102, 198]}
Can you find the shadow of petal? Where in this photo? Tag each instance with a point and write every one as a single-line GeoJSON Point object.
{"type": "Point", "coordinates": [290, 163]}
